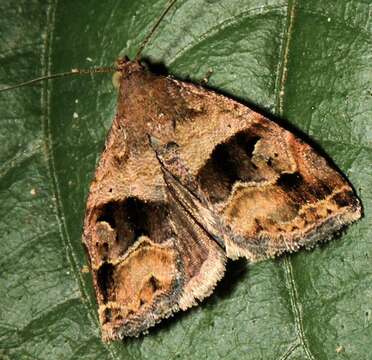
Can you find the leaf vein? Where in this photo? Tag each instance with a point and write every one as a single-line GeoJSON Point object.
{"type": "Point", "coordinates": [19, 158]}
{"type": "Point", "coordinates": [282, 74]}
{"type": "Point", "coordinates": [66, 303]}
{"type": "Point", "coordinates": [45, 104]}
{"type": "Point", "coordinates": [25, 245]}
{"type": "Point", "coordinates": [296, 308]}
{"type": "Point", "coordinates": [282, 71]}
{"type": "Point", "coordinates": [220, 26]}
{"type": "Point", "coordinates": [286, 355]}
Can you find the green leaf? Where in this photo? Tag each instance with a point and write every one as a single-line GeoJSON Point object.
{"type": "Point", "coordinates": [307, 62]}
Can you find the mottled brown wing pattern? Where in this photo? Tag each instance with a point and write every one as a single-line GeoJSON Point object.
{"type": "Point", "coordinates": [272, 191]}
{"type": "Point", "coordinates": [185, 174]}
{"type": "Point", "coordinates": [169, 265]}
{"type": "Point", "coordinates": [148, 257]}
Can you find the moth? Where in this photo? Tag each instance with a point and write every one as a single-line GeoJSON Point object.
{"type": "Point", "coordinates": [189, 178]}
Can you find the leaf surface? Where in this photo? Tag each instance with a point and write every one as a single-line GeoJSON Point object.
{"type": "Point", "coordinates": [307, 63]}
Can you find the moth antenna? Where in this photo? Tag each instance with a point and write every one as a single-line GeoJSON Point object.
{"type": "Point", "coordinates": [62, 74]}
{"type": "Point", "coordinates": [95, 70]}
{"type": "Point", "coordinates": [152, 31]}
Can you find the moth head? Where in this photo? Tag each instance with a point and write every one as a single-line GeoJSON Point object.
{"type": "Point", "coordinates": [124, 67]}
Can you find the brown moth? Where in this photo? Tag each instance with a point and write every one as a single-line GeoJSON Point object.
{"type": "Point", "coordinates": [187, 179]}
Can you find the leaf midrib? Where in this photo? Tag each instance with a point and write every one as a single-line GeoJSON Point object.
{"type": "Point", "coordinates": [282, 75]}
{"type": "Point", "coordinates": [48, 142]}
